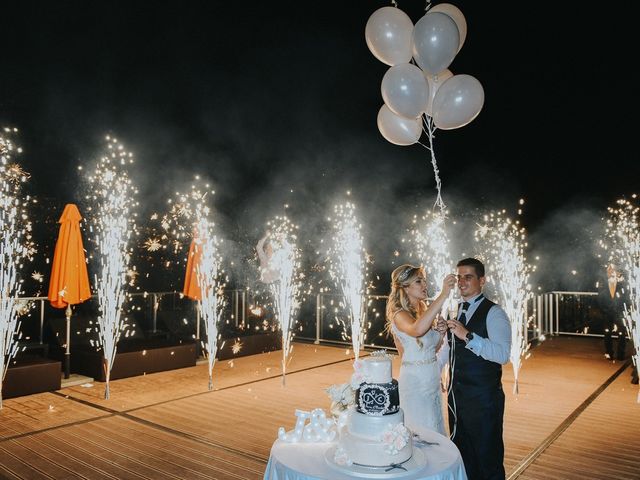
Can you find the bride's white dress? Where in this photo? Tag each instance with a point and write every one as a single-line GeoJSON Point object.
{"type": "Point", "coordinates": [419, 382]}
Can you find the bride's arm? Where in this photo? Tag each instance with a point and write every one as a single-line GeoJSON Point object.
{"type": "Point", "coordinates": [406, 323]}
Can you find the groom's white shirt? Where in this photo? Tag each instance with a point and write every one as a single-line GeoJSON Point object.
{"type": "Point", "coordinates": [496, 348]}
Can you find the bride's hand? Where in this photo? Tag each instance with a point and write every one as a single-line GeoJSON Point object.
{"type": "Point", "coordinates": [448, 283]}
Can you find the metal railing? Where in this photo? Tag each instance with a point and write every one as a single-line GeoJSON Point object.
{"type": "Point", "coordinates": [237, 301]}
{"type": "Point", "coordinates": [373, 321]}
{"type": "Point", "coordinates": [549, 313]}
{"type": "Point", "coordinates": [238, 306]}
{"type": "Point", "coordinates": [574, 313]}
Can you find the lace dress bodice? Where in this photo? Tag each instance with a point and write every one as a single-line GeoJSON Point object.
{"type": "Point", "coordinates": [417, 348]}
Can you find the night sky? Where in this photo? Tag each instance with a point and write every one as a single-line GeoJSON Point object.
{"type": "Point", "coordinates": [276, 103]}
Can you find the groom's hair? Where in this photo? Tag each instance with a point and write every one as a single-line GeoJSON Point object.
{"type": "Point", "coordinates": [473, 262]}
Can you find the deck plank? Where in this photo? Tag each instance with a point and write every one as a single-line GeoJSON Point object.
{"type": "Point", "coordinates": [168, 425]}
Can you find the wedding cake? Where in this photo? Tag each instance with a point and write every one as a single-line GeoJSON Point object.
{"type": "Point", "coordinates": [374, 434]}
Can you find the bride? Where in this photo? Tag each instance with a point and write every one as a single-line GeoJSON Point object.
{"type": "Point", "coordinates": [411, 323]}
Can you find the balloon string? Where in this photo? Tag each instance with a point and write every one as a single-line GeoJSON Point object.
{"type": "Point", "coordinates": [430, 130]}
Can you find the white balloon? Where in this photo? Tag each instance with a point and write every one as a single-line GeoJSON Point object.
{"type": "Point", "coordinates": [435, 81]}
{"type": "Point", "coordinates": [388, 35]}
{"type": "Point", "coordinates": [405, 90]}
{"type": "Point", "coordinates": [398, 130]}
{"type": "Point", "coordinates": [435, 42]}
{"type": "Point", "coordinates": [457, 16]}
{"type": "Point", "coordinates": [457, 102]}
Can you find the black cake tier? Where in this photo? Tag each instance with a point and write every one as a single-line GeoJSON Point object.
{"type": "Point", "coordinates": [378, 398]}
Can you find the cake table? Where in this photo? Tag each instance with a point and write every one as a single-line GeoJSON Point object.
{"type": "Point", "coordinates": [308, 461]}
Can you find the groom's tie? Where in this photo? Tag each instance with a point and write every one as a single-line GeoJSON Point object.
{"type": "Point", "coordinates": [463, 315]}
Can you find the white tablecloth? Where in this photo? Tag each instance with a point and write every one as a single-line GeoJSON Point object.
{"type": "Point", "coordinates": [306, 461]}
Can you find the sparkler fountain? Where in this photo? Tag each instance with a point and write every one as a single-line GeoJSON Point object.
{"type": "Point", "coordinates": [112, 223]}
{"type": "Point", "coordinates": [209, 275]}
{"type": "Point", "coordinates": [211, 286]}
{"type": "Point", "coordinates": [623, 234]}
{"type": "Point", "coordinates": [432, 248]}
{"type": "Point", "coordinates": [285, 263]}
{"type": "Point", "coordinates": [348, 269]}
{"type": "Point", "coordinates": [15, 246]}
{"type": "Point", "coordinates": [504, 241]}
{"type": "Point", "coordinates": [190, 215]}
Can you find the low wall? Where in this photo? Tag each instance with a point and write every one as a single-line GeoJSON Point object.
{"type": "Point", "coordinates": [31, 375]}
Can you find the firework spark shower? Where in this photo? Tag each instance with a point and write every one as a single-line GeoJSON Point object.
{"type": "Point", "coordinates": [15, 247]}
{"type": "Point", "coordinates": [503, 242]}
{"type": "Point", "coordinates": [348, 260]}
{"type": "Point", "coordinates": [112, 223]}
{"type": "Point", "coordinates": [432, 249]}
{"type": "Point", "coordinates": [284, 261]}
{"type": "Point", "coordinates": [623, 239]}
{"type": "Point", "coordinates": [192, 210]}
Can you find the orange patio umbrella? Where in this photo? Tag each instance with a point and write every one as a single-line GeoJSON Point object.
{"type": "Point", "coordinates": [191, 286]}
{"type": "Point", "coordinates": [69, 280]}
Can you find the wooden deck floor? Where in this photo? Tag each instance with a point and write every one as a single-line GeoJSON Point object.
{"type": "Point", "coordinates": [576, 417]}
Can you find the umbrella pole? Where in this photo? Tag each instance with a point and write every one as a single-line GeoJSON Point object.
{"type": "Point", "coordinates": [67, 353]}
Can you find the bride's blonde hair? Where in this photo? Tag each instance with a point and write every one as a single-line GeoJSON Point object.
{"type": "Point", "coordinates": [398, 299]}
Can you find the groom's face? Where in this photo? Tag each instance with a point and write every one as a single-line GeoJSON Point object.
{"type": "Point", "coordinates": [469, 283]}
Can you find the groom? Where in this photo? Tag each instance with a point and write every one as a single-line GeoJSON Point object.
{"type": "Point", "coordinates": [481, 345]}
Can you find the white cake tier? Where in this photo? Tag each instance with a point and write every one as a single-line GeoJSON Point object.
{"type": "Point", "coordinates": [377, 369]}
{"type": "Point", "coordinates": [370, 426]}
{"type": "Point", "coordinates": [372, 453]}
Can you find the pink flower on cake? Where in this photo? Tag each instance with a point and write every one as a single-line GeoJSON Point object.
{"type": "Point", "coordinates": [399, 443]}
{"type": "Point", "coordinates": [388, 437]}
{"type": "Point", "coordinates": [395, 439]}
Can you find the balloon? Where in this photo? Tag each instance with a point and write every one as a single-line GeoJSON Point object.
{"type": "Point", "coordinates": [398, 130]}
{"type": "Point", "coordinates": [456, 15]}
{"type": "Point", "coordinates": [388, 35]}
{"type": "Point", "coordinates": [435, 42]}
{"type": "Point", "coordinates": [405, 90]}
{"type": "Point", "coordinates": [457, 102]}
{"type": "Point", "coordinates": [435, 81]}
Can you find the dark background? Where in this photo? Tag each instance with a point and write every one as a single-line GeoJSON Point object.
{"type": "Point", "coordinates": [276, 104]}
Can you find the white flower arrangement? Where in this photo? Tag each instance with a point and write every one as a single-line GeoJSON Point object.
{"type": "Point", "coordinates": [342, 397]}
{"type": "Point", "coordinates": [395, 439]}
{"type": "Point", "coordinates": [360, 374]}
{"type": "Point", "coordinates": [341, 458]}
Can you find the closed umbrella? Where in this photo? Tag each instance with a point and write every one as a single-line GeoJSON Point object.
{"type": "Point", "coordinates": [69, 280]}
{"type": "Point", "coordinates": [191, 286]}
